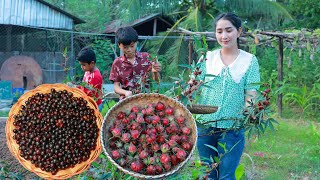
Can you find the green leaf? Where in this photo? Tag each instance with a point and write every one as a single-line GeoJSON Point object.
{"type": "Point", "coordinates": [102, 156]}
{"type": "Point", "coordinates": [210, 75]}
{"type": "Point", "coordinates": [207, 86]}
{"type": "Point", "coordinates": [197, 163]}
{"type": "Point", "coordinates": [211, 159]}
{"type": "Point", "coordinates": [197, 42]}
{"type": "Point", "coordinates": [214, 148]}
{"type": "Point", "coordinates": [273, 120]}
{"type": "Point", "coordinates": [65, 52]}
{"type": "Point", "coordinates": [95, 164]}
{"type": "Point", "coordinates": [106, 175]}
{"type": "Point", "coordinates": [195, 173]}
{"type": "Point", "coordinates": [199, 64]}
{"type": "Point", "coordinates": [239, 171]}
{"type": "Point", "coordinates": [270, 125]}
{"type": "Point", "coordinates": [83, 178]}
{"type": "Point", "coordinates": [204, 40]}
{"type": "Point", "coordinates": [223, 146]}
{"type": "Point", "coordinates": [185, 65]}
{"type": "Point", "coordinates": [185, 100]}
{"type": "Point", "coordinates": [201, 50]}
{"type": "Point", "coordinates": [216, 159]}
{"type": "Point", "coordinates": [167, 84]}
{"type": "Point", "coordinates": [175, 78]}
{"type": "Point", "coordinates": [260, 127]}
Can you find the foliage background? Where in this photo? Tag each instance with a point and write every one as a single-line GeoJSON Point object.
{"type": "Point", "coordinates": [300, 70]}
{"type": "Point", "coordinates": [301, 86]}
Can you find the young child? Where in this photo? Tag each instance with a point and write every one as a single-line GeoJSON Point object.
{"type": "Point", "coordinates": [92, 76]}
{"type": "Point", "coordinates": [129, 68]}
{"type": "Point", "coordinates": [236, 72]}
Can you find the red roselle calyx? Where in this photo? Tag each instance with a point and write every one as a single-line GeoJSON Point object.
{"type": "Point", "coordinates": [155, 139]}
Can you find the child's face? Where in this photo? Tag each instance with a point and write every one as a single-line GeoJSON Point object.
{"type": "Point", "coordinates": [227, 33]}
{"type": "Point", "coordinates": [87, 66]}
{"type": "Point", "coordinates": [129, 50]}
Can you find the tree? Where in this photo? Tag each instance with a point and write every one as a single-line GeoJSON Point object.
{"type": "Point", "coordinates": [260, 14]}
{"type": "Point", "coordinates": [95, 12]}
{"type": "Point", "coordinates": [306, 13]}
{"type": "Point", "coordinates": [270, 13]}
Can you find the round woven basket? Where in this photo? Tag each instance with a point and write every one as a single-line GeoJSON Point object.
{"type": "Point", "coordinates": [143, 100]}
{"type": "Point", "coordinates": [14, 147]}
{"type": "Point", "coordinates": [202, 109]}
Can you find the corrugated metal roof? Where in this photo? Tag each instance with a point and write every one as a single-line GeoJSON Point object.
{"type": "Point", "coordinates": [36, 13]}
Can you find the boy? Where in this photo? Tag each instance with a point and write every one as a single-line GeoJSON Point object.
{"type": "Point", "coordinates": [92, 76]}
{"type": "Point", "coordinates": [129, 68]}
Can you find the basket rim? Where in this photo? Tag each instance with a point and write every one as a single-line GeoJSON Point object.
{"type": "Point", "coordinates": [139, 175]}
{"type": "Point", "coordinates": [71, 171]}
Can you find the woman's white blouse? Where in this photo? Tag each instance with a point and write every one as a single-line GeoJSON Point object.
{"type": "Point", "coordinates": [227, 88]}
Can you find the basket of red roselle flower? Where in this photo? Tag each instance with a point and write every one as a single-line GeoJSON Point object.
{"type": "Point", "coordinates": [149, 135]}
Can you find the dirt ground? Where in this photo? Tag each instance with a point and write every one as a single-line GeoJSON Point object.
{"type": "Point", "coordinates": [6, 156]}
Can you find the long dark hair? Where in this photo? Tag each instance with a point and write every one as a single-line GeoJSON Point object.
{"type": "Point", "coordinates": [233, 18]}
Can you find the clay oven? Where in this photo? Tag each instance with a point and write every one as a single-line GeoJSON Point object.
{"type": "Point", "coordinates": [23, 71]}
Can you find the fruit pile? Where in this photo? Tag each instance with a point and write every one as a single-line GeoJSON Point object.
{"type": "Point", "coordinates": [149, 140]}
{"type": "Point", "coordinates": [55, 130]}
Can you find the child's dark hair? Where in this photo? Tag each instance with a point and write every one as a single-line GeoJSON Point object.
{"type": "Point", "coordinates": [86, 55]}
{"type": "Point", "coordinates": [233, 18]}
{"type": "Point", "coordinates": [126, 35]}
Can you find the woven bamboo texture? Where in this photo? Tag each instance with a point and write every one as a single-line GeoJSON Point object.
{"type": "Point", "coordinates": [142, 100]}
{"type": "Point", "coordinates": [202, 109]}
{"type": "Point", "coordinates": [14, 147]}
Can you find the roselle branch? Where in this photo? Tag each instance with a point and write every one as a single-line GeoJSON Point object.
{"type": "Point", "coordinates": [193, 86]}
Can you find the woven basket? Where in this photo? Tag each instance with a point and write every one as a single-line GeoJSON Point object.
{"type": "Point", "coordinates": [143, 100]}
{"type": "Point", "coordinates": [14, 147]}
{"type": "Point", "coordinates": [202, 109]}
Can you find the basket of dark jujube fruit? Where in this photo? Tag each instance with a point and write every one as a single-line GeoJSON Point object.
{"type": "Point", "coordinates": [54, 131]}
{"type": "Point", "coordinates": [149, 136]}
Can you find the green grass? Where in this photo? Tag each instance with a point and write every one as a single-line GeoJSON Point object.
{"type": "Point", "coordinates": [291, 152]}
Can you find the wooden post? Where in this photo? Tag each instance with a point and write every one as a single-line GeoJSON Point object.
{"type": "Point", "coordinates": [8, 38]}
{"type": "Point", "coordinates": [71, 60]}
{"type": "Point", "coordinates": [155, 26]}
{"type": "Point", "coordinates": [280, 73]}
{"type": "Point", "coordinates": [190, 52]}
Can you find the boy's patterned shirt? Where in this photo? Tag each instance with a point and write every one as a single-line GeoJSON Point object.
{"type": "Point", "coordinates": [128, 74]}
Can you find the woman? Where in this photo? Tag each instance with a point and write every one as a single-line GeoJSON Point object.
{"type": "Point", "coordinates": [235, 71]}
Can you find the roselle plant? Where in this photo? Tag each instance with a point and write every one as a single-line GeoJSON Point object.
{"type": "Point", "coordinates": [256, 115]}
{"type": "Point", "coordinates": [184, 89]}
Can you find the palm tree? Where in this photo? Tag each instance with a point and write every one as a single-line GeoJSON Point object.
{"type": "Point", "coordinates": [261, 14]}
{"type": "Point", "coordinates": [194, 10]}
